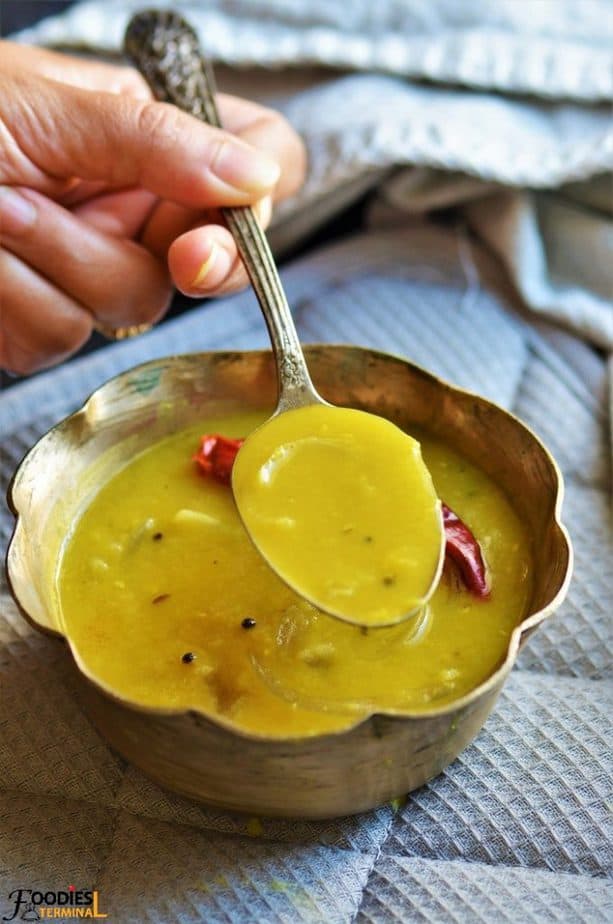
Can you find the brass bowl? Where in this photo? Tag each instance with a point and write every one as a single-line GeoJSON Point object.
{"type": "Point", "coordinates": [376, 759]}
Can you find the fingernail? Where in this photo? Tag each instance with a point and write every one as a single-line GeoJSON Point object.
{"type": "Point", "coordinates": [17, 215]}
{"type": "Point", "coordinates": [206, 267]}
{"type": "Point", "coordinates": [263, 210]}
{"type": "Point", "coordinates": [243, 167]}
{"type": "Point", "coordinates": [214, 269]}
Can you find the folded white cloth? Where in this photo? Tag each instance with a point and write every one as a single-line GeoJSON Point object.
{"type": "Point", "coordinates": [555, 48]}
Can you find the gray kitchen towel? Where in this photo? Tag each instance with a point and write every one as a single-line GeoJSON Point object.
{"type": "Point", "coordinates": [518, 828]}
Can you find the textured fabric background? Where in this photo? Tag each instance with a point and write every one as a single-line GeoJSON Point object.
{"type": "Point", "coordinates": [517, 829]}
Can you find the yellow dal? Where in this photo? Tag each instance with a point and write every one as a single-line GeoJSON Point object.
{"type": "Point", "coordinates": [340, 504]}
{"type": "Point", "coordinates": [133, 604]}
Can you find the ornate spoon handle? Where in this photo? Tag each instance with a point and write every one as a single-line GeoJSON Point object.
{"type": "Point", "coordinates": [165, 49]}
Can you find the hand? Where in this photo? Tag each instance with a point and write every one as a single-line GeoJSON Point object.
{"type": "Point", "coordinates": [107, 198]}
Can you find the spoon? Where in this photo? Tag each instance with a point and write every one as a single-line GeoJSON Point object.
{"type": "Point", "coordinates": [338, 501]}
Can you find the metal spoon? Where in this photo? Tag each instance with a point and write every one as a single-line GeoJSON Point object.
{"type": "Point", "coordinates": [165, 49]}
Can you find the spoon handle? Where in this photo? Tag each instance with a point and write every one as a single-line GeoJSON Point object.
{"type": "Point", "coordinates": [165, 49]}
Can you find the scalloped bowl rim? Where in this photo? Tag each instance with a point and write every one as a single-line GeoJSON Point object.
{"type": "Point", "coordinates": [530, 622]}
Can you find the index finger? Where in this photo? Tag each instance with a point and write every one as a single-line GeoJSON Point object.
{"type": "Point", "coordinates": [62, 131]}
{"type": "Point", "coordinates": [75, 71]}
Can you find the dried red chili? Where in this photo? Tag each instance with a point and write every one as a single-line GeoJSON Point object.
{"type": "Point", "coordinates": [464, 550]}
{"type": "Point", "coordinates": [216, 457]}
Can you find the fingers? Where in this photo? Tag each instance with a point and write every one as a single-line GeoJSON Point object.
{"type": "Point", "coordinates": [204, 261]}
{"type": "Point", "coordinates": [168, 222]}
{"type": "Point", "coordinates": [39, 325]}
{"type": "Point", "coordinates": [64, 131]}
{"type": "Point", "coordinates": [114, 280]}
{"type": "Point", "coordinates": [200, 265]}
{"type": "Point", "coordinates": [267, 130]}
{"type": "Point", "coordinates": [260, 126]}
{"type": "Point", "coordinates": [109, 157]}
{"type": "Point", "coordinates": [79, 72]}
{"type": "Point", "coordinates": [120, 214]}
{"type": "Point", "coordinates": [264, 129]}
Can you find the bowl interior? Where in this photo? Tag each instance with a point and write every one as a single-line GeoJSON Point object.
{"type": "Point", "coordinates": [64, 470]}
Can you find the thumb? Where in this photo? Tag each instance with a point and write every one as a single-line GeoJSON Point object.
{"type": "Point", "coordinates": [63, 131]}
